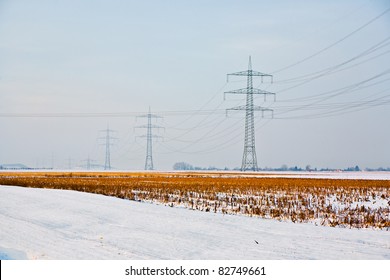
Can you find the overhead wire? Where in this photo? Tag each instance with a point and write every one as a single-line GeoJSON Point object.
{"type": "Point", "coordinates": [329, 70]}
{"type": "Point", "coordinates": [208, 113]}
{"type": "Point", "coordinates": [195, 112]}
{"type": "Point", "coordinates": [362, 102]}
{"type": "Point", "coordinates": [337, 92]}
{"type": "Point", "coordinates": [207, 138]}
{"type": "Point", "coordinates": [333, 44]}
{"type": "Point", "coordinates": [347, 89]}
{"type": "Point", "coordinates": [347, 108]}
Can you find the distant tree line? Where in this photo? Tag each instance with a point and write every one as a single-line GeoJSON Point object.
{"type": "Point", "coordinates": [187, 166]}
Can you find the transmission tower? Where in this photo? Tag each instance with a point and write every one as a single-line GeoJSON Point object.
{"type": "Point", "coordinates": [249, 159]}
{"type": "Point", "coordinates": [70, 163]}
{"type": "Point", "coordinates": [149, 137]}
{"type": "Point", "coordinates": [89, 163]}
{"type": "Point", "coordinates": [108, 143]}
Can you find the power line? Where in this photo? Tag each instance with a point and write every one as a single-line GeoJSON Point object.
{"type": "Point", "coordinates": [336, 92]}
{"type": "Point", "coordinates": [332, 69]}
{"type": "Point", "coordinates": [335, 109]}
{"type": "Point", "coordinates": [108, 115]}
{"type": "Point", "coordinates": [333, 44]}
{"type": "Point", "coordinates": [201, 111]}
{"type": "Point", "coordinates": [229, 139]}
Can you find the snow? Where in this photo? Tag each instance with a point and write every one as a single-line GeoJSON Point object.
{"type": "Point", "coordinates": [11, 254]}
{"type": "Point", "coordinates": [59, 224]}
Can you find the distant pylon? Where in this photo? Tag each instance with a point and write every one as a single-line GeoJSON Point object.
{"type": "Point", "coordinates": [149, 138]}
{"type": "Point", "coordinates": [108, 143]}
{"type": "Point", "coordinates": [69, 163]}
{"type": "Point", "coordinates": [249, 158]}
{"type": "Point", "coordinates": [89, 163]}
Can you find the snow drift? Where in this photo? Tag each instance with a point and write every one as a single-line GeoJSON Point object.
{"type": "Point", "coordinates": [58, 224]}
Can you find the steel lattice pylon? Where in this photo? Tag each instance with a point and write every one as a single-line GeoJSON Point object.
{"type": "Point", "coordinates": [149, 157]}
{"type": "Point", "coordinates": [108, 143]}
{"type": "Point", "coordinates": [249, 158]}
{"type": "Point", "coordinates": [149, 138]}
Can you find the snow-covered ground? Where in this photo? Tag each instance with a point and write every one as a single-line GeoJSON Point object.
{"type": "Point", "coordinates": [59, 224]}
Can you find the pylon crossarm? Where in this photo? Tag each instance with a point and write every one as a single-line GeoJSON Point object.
{"type": "Point", "coordinates": [141, 126]}
{"type": "Point", "coordinates": [238, 108]}
{"type": "Point", "coordinates": [146, 136]}
{"type": "Point", "coordinates": [249, 73]}
{"type": "Point", "coordinates": [152, 126]}
{"type": "Point", "coordinates": [104, 138]}
{"type": "Point", "coordinates": [158, 137]}
{"type": "Point", "coordinates": [245, 91]}
{"type": "Point", "coordinates": [262, 110]}
{"type": "Point", "coordinates": [149, 115]}
{"type": "Point", "coordinates": [107, 130]}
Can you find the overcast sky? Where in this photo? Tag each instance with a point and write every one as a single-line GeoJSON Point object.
{"type": "Point", "coordinates": [70, 68]}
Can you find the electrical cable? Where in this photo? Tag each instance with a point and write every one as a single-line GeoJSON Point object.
{"type": "Point", "coordinates": [333, 44]}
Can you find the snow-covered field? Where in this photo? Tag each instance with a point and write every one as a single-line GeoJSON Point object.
{"type": "Point", "coordinates": [59, 224]}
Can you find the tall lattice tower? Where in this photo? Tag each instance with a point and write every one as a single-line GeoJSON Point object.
{"type": "Point", "coordinates": [249, 159]}
{"type": "Point", "coordinates": [149, 138]}
{"type": "Point", "coordinates": [108, 143]}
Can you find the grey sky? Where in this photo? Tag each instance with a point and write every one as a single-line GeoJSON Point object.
{"type": "Point", "coordinates": [64, 60]}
